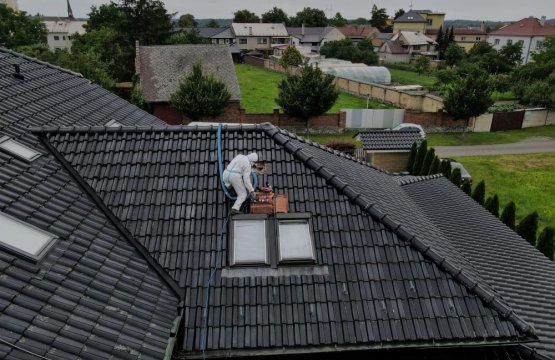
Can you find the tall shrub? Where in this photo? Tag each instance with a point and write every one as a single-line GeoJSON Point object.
{"type": "Point", "coordinates": [546, 241]}
{"type": "Point", "coordinates": [445, 168]}
{"type": "Point", "coordinates": [467, 187]}
{"type": "Point", "coordinates": [427, 164]}
{"type": "Point", "coordinates": [420, 156]}
{"type": "Point", "coordinates": [528, 227]}
{"type": "Point", "coordinates": [434, 169]}
{"type": "Point", "coordinates": [479, 193]}
{"type": "Point", "coordinates": [492, 205]}
{"type": "Point", "coordinates": [509, 214]}
{"type": "Point", "coordinates": [412, 157]}
{"type": "Point", "coordinates": [456, 177]}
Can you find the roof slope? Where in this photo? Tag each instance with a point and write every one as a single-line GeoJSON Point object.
{"type": "Point", "coordinates": [389, 139]}
{"type": "Point", "coordinates": [411, 16]}
{"type": "Point", "coordinates": [521, 274]}
{"type": "Point", "coordinates": [373, 285]}
{"type": "Point", "coordinates": [309, 33]}
{"type": "Point", "coordinates": [529, 26]}
{"type": "Point", "coordinates": [259, 29]}
{"type": "Point", "coordinates": [162, 67]}
{"type": "Point", "coordinates": [94, 295]}
{"type": "Point", "coordinates": [358, 31]}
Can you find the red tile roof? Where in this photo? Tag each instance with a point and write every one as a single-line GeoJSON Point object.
{"type": "Point", "coordinates": [361, 31]}
{"type": "Point", "coordinates": [529, 26]}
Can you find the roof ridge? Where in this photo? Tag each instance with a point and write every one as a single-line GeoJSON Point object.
{"type": "Point", "coordinates": [411, 179]}
{"type": "Point", "coordinates": [428, 251]}
{"type": "Point", "coordinates": [141, 128]}
{"type": "Point", "coordinates": [26, 57]}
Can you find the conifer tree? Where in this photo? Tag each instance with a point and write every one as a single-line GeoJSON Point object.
{"type": "Point", "coordinates": [434, 169]}
{"type": "Point", "coordinates": [492, 205]}
{"type": "Point", "coordinates": [420, 156]}
{"type": "Point", "coordinates": [412, 157]}
{"type": "Point", "coordinates": [439, 38]}
{"type": "Point", "coordinates": [456, 177]}
{"type": "Point", "coordinates": [479, 193]}
{"type": "Point", "coordinates": [467, 188]}
{"type": "Point", "coordinates": [445, 168]}
{"type": "Point", "coordinates": [508, 215]}
{"type": "Point", "coordinates": [430, 155]}
{"type": "Point", "coordinates": [546, 241]}
{"type": "Point", "coordinates": [528, 227]}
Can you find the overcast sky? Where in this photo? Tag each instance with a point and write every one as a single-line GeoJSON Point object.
{"type": "Point", "coordinates": [496, 10]}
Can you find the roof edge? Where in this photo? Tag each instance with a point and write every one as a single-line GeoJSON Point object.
{"type": "Point", "coordinates": [492, 300]}
{"type": "Point", "coordinates": [162, 274]}
{"type": "Point", "coordinates": [26, 57]}
{"type": "Point", "coordinates": [411, 179]}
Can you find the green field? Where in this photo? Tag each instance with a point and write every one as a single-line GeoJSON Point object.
{"type": "Point", "coordinates": [411, 78]}
{"type": "Point", "coordinates": [259, 89]}
{"type": "Point", "coordinates": [525, 179]}
{"type": "Point", "coordinates": [499, 137]}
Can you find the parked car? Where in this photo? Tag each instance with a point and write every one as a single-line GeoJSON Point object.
{"type": "Point", "coordinates": [465, 175]}
{"type": "Point", "coordinates": [405, 126]}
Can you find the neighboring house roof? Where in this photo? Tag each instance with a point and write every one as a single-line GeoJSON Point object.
{"type": "Point", "coordinates": [208, 32]}
{"type": "Point", "coordinates": [394, 47]}
{"type": "Point", "coordinates": [412, 38]}
{"type": "Point", "coordinates": [162, 67]}
{"type": "Point", "coordinates": [309, 34]}
{"type": "Point", "coordinates": [385, 274]}
{"type": "Point", "coordinates": [358, 32]}
{"type": "Point", "coordinates": [259, 29]}
{"type": "Point", "coordinates": [529, 26]}
{"type": "Point", "coordinates": [389, 139]}
{"type": "Point", "coordinates": [411, 16]}
{"type": "Point", "coordinates": [97, 293]}
{"type": "Point", "coordinates": [224, 34]}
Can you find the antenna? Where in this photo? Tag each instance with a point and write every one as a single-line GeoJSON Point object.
{"type": "Point", "coordinates": [410, 7]}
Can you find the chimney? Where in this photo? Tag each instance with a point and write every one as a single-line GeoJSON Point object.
{"type": "Point", "coordinates": [542, 21]}
{"type": "Point", "coordinates": [250, 30]}
{"type": "Point", "coordinates": [302, 30]}
{"type": "Point", "coordinates": [17, 74]}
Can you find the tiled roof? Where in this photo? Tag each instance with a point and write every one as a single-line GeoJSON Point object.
{"type": "Point", "coordinates": [517, 271]}
{"type": "Point", "coordinates": [411, 16]}
{"type": "Point", "coordinates": [384, 275]}
{"type": "Point", "coordinates": [360, 31]}
{"type": "Point", "coordinates": [412, 38]}
{"type": "Point", "coordinates": [162, 67]}
{"type": "Point", "coordinates": [311, 34]}
{"type": "Point", "coordinates": [389, 139]}
{"type": "Point", "coordinates": [529, 26]}
{"type": "Point", "coordinates": [96, 294]}
{"type": "Point", "coordinates": [395, 47]}
{"type": "Point", "coordinates": [259, 29]}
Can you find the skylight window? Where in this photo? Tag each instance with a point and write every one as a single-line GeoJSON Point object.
{"type": "Point", "coordinates": [17, 149]}
{"type": "Point", "coordinates": [295, 240]}
{"type": "Point", "coordinates": [113, 123]}
{"type": "Point", "coordinates": [249, 241]}
{"type": "Point", "coordinates": [24, 239]}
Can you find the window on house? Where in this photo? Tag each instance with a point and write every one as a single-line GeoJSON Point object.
{"type": "Point", "coordinates": [262, 40]}
{"type": "Point", "coordinates": [56, 37]}
{"type": "Point", "coordinates": [429, 21]}
{"type": "Point", "coordinates": [249, 236]}
{"type": "Point", "coordinates": [463, 38]}
{"type": "Point", "coordinates": [478, 38]}
{"type": "Point", "coordinates": [521, 42]}
{"type": "Point", "coordinates": [416, 47]}
{"type": "Point", "coordinates": [17, 149]}
{"type": "Point", "coordinates": [63, 37]}
{"type": "Point", "coordinates": [242, 41]}
{"type": "Point", "coordinates": [509, 42]}
{"type": "Point", "coordinates": [69, 37]}
{"type": "Point", "coordinates": [23, 239]}
{"type": "Point", "coordinates": [497, 41]}
{"type": "Point", "coordinates": [295, 240]}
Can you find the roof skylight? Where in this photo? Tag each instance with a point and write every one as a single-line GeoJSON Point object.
{"type": "Point", "coordinates": [17, 149]}
{"type": "Point", "coordinates": [23, 239]}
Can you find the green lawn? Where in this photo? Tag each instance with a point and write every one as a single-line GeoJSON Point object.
{"type": "Point", "coordinates": [499, 137]}
{"type": "Point", "coordinates": [525, 179]}
{"type": "Point", "coordinates": [259, 89]}
{"type": "Point", "coordinates": [411, 78]}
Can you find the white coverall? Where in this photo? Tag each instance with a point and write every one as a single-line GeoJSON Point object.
{"type": "Point", "coordinates": [238, 175]}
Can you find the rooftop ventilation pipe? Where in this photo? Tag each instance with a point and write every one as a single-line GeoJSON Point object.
{"type": "Point", "coordinates": [17, 74]}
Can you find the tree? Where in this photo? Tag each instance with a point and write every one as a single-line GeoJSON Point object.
{"type": "Point", "coordinates": [428, 160]}
{"type": "Point", "coordinates": [466, 187]}
{"type": "Point", "coordinates": [528, 227]}
{"type": "Point", "coordinates": [245, 16]}
{"type": "Point", "coordinates": [512, 55]}
{"type": "Point", "coordinates": [492, 205]}
{"type": "Point", "coordinates": [212, 24]}
{"type": "Point", "coordinates": [420, 157]}
{"type": "Point", "coordinates": [469, 96]}
{"type": "Point", "coordinates": [399, 13]}
{"type": "Point", "coordinates": [338, 20]}
{"type": "Point", "coordinates": [346, 50]}
{"type": "Point", "coordinates": [422, 64]}
{"type": "Point", "coordinates": [379, 18]}
{"type": "Point", "coordinates": [290, 57]}
{"type": "Point", "coordinates": [440, 40]}
{"type": "Point", "coordinates": [275, 15]}
{"type": "Point", "coordinates": [479, 193]}
{"type": "Point", "coordinates": [434, 169]}
{"type": "Point", "coordinates": [445, 168]}
{"type": "Point", "coordinates": [359, 21]}
{"type": "Point", "coordinates": [200, 95]}
{"type": "Point", "coordinates": [307, 93]}
{"type": "Point", "coordinates": [18, 29]}
{"type": "Point", "coordinates": [187, 20]}
{"type": "Point", "coordinates": [546, 242]}
{"type": "Point", "coordinates": [456, 177]}
{"type": "Point", "coordinates": [412, 157]}
{"type": "Point", "coordinates": [310, 17]}
{"type": "Point", "coordinates": [453, 54]}
{"type": "Point", "coordinates": [508, 215]}
{"type": "Point", "coordinates": [190, 36]}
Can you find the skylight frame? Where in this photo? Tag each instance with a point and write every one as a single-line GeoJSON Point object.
{"type": "Point", "coordinates": [6, 141]}
{"type": "Point", "coordinates": [47, 244]}
{"type": "Point", "coordinates": [295, 218]}
{"type": "Point", "coordinates": [234, 240]}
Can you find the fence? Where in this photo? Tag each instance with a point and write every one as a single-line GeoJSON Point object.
{"type": "Point", "coordinates": [373, 118]}
{"type": "Point", "coordinates": [530, 118]}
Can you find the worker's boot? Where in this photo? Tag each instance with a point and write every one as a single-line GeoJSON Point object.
{"type": "Point", "coordinates": [235, 212]}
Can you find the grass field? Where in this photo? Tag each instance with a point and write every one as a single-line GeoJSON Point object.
{"type": "Point", "coordinates": [259, 89]}
{"type": "Point", "coordinates": [499, 137]}
{"type": "Point", "coordinates": [525, 179]}
{"type": "Point", "coordinates": [411, 78]}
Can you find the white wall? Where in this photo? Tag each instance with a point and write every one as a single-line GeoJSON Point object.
{"type": "Point", "coordinates": [529, 44]}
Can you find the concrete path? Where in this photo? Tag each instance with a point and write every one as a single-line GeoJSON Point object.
{"type": "Point", "coordinates": [529, 145]}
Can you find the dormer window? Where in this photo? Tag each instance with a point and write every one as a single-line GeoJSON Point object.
{"type": "Point", "coordinates": [17, 149]}
{"type": "Point", "coordinates": [23, 239]}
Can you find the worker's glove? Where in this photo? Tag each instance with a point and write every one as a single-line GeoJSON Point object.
{"type": "Point", "coordinates": [252, 196]}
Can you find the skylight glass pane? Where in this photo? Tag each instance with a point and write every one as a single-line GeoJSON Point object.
{"type": "Point", "coordinates": [249, 242]}
{"type": "Point", "coordinates": [295, 242]}
{"type": "Point", "coordinates": [23, 238]}
{"type": "Point", "coordinates": [18, 149]}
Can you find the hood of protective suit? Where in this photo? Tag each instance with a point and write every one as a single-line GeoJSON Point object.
{"type": "Point", "coordinates": [253, 157]}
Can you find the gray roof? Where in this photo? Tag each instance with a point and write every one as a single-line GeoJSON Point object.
{"type": "Point", "coordinates": [162, 68]}
{"type": "Point", "coordinates": [97, 293]}
{"type": "Point", "coordinates": [396, 47]}
{"type": "Point", "coordinates": [311, 34]}
{"type": "Point", "coordinates": [389, 139]}
{"type": "Point", "coordinates": [385, 274]}
{"type": "Point", "coordinates": [411, 16]}
{"type": "Point", "coordinates": [259, 29]}
{"type": "Point", "coordinates": [224, 34]}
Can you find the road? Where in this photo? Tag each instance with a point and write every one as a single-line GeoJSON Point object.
{"type": "Point", "coordinates": [529, 145]}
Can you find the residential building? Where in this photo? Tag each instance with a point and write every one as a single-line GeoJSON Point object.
{"type": "Point", "coordinates": [12, 4]}
{"type": "Point", "coordinates": [379, 39]}
{"type": "Point", "coordinates": [259, 36]}
{"type": "Point", "coordinates": [161, 68]}
{"type": "Point", "coordinates": [529, 32]}
{"type": "Point", "coordinates": [223, 37]}
{"type": "Point", "coordinates": [314, 37]}
{"type": "Point", "coordinates": [61, 30]}
{"type": "Point", "coordinates": [405, 45]}
{"type": "Point", "coordinates": [465, 37]}
{"type": "Point", "coordinates": [358, 32]}
{"type": "Point", "coordinates": [419, 20]}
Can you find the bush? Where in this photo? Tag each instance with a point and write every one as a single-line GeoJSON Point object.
{"type": "Point", "coordinates": [492, 205]}
{"type": "Point", "coordinates": [479, 193]}
{"type": "Point", "coordinates": [528, 227]}
{"type": "Point", "coordinates": [412, 157]}
{"type": "Point", "coordinates": [420, 157]}
{"type": "Point", "coordinates": [501, 108]}
{"type": "Point", "coordinates": [546, 241]}
{"type": "Point", "coordinates": [434, 169]}
{"type": "Point", "coordinates": [430, 155]}
{"type": "Point", "coordinates": [467, 188]}
{"type": "Point", "coordinates": [509, 214]}
{"type": "Point", "coordinates": [445, 168]}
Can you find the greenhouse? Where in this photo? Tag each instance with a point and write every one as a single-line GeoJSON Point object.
{"type": "Point", "coordinates": [364, 74]}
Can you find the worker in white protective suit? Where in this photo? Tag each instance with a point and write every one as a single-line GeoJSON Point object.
{"type": "Point", "coordinates": [238, 175]}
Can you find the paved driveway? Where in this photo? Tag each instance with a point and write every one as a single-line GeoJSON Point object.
{"type": "Point", "coordinates": [530, 145]}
